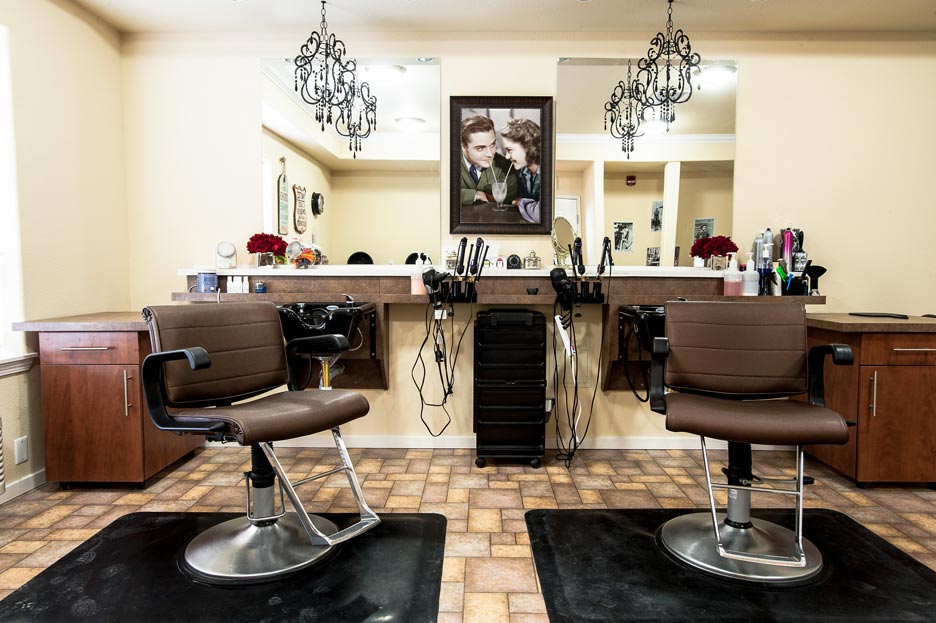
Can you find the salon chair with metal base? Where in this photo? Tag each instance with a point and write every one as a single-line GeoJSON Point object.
{"type": "Point", "coordinates": [732, 369]}
{"type": "Point", "coordinates": [207, 360]}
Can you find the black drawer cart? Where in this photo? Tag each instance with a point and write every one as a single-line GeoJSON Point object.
{"type": "Point", "coordinates": [510, 385]}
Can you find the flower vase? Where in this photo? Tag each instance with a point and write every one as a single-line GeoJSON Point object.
{"type": "Point", "coordinates": [719, 262]}
{"type": "Point", "coordinates": [265, 259]}
{"type": "Point", "coordinates": [698, 262]}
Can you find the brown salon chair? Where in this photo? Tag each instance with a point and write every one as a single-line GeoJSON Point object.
{"type": "Point", "coordinates": [207, 360]}
{"type": "Point", "coordinates": [732, 368]}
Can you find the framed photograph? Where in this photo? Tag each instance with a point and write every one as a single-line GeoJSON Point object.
{"type": "Point", "coordinates": [703, 228]}
{"type": "Point", "coordinates": [656, 216]}
{"type": "Point", "coordinates": [501, 165]}
{"type": "Point", "coordinates": [653, 256]}
{"type": "Point", "coordinates": [282, 199]}
{"type": "Point", "coordinates": [624, 236]}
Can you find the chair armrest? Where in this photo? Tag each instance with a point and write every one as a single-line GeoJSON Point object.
{"type": "Point", "coordinates": [317, 346]}
{"type": "Point", "coordinates": [154, 390]}
{"type": "Point", "coordinates": [841, 355]}
{"type": "Point", "coordinates": [657, 363]}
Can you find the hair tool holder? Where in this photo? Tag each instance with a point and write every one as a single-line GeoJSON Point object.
{"type": "Point", "coordinates": [588, 289]}
{"type": "Point", "coordinates": [468, 269]}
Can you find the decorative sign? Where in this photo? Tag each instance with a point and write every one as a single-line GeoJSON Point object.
{"type": "Point", "coordinates": [282, 191]}
{"type": "Point", "coordinates": [300, 221]}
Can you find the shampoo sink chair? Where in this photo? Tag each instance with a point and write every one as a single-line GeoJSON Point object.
{"type": "Point", "coordinates": [206, 358]}
{"type": "Point", "coordinates": [733, 368]}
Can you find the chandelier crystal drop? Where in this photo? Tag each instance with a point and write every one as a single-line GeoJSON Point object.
{"type": "Point", "coordinates": [326, 79]}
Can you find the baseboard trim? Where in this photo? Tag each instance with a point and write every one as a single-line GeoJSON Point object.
{"type": "Point", "coordinates": [23, 485]}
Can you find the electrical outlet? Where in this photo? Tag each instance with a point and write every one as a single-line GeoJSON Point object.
{"type": "Point", "coordinates": [21, 450]}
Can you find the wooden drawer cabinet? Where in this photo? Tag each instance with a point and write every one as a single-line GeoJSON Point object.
{"type": "Point", "coordinates": [890, 392]}
{"type": "Point", "coordinates": [95, 424]}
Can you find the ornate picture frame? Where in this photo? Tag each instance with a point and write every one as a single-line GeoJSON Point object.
{"type": "Point", "coordinates": [501, 145]}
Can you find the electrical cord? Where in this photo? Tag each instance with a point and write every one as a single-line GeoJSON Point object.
{"type": "Point", "coordinates": [435, 329]}
{"type": "Point", "coordinates": [566, 452]}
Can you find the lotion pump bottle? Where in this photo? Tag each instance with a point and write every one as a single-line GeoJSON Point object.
{"type": "Point", "coordinates": [749, 278]}
{"type": "Point", "coordinates": [732, 276]}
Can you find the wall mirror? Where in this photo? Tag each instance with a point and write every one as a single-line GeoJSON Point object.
{"type": "Point", "coordinates": [623, 198]}
{"type": "Point", "coordinates": [385, 201]}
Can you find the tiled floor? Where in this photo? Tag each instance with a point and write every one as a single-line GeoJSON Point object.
{"type": "Point", "coordinates": [488, 573]}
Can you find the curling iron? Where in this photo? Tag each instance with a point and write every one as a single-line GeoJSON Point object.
{"type": "Point", "coordinates": [460, 260]}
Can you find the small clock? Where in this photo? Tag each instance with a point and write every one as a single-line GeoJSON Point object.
{"type": "Point", "coordinates": [318, 204]}
{"type": "Point", "coordinates": [513, 261]}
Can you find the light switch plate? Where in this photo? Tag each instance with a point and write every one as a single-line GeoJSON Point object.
{"type": "Point", "coordinates": [21, 450]}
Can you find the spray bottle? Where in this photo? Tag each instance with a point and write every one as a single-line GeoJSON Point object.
{"type": "Point", "coordinates": [765, 269]}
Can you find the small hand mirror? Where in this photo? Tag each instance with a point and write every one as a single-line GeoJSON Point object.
{"type": "Point", "coordinates": [562, 236]}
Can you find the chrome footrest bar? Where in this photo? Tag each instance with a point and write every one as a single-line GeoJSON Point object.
{"type": "Point", "coordinates": [798, 559]}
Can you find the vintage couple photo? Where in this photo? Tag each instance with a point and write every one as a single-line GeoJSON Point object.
{"type": "Point", "coordinates": [501, 165]}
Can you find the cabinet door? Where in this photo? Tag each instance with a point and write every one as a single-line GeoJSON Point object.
{"type": "Point", "coordinates": [897, 424]}
{"type": "Point", "coordinates": [91, 434]}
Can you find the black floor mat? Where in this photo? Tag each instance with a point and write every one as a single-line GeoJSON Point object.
{"type": "Point", "coordinates": [129, 572]}
{"type": "Point", "coordinates": [605, 565]}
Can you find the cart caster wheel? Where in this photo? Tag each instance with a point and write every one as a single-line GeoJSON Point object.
{"type": "Point", "coordinates": [66, 486]}
{"type": "Point", "coordinates": [536, 463]}
{"type": "Point", "coordinates": [480, 462]}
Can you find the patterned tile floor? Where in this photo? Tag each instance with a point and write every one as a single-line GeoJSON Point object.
{"type": "Point", "coordinates": [488, 573]}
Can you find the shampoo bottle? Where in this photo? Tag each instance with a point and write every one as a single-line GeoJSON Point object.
{"type": "Point", "coordinates": [749, 278]}
{"type": "Point", "coordinates": [732, 276]}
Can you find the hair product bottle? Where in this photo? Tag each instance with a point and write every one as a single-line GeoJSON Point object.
{"type": "Point", "coordinates": [732, 276]}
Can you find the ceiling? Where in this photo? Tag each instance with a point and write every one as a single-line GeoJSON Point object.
{"type": "Point", "coordinates": [716, 16]}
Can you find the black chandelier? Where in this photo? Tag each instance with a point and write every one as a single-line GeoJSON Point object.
{"type": "Point", "coordinates": [326, 79]}
{"type": "Point", "coordinates": [663, 80]}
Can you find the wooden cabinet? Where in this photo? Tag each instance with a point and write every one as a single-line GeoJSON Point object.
{"type": "Point", "coordinates": [95, 424]}
{"type": "Point", "coordinates": [890, 393]}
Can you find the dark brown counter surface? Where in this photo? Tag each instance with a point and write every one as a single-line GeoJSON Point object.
{"type": "Point", "coordinates": [103, 321]}
{"type": "Point", "coordinates": [863, 324]}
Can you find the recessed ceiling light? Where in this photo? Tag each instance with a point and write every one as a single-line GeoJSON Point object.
{"type": "Point", "coordinates": [410, 124]}
{"type": "Point", "coordinates": [384, 71]}
{"type": "Point", "coordinates": [424, 59]}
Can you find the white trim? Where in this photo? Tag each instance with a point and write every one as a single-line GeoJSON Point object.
{"type": "Point", "coordinates": [16, 363]}
{"type": "Point", "coordinates": [678, 139]}
{"type": "Point", "coordinates": [23, 485]}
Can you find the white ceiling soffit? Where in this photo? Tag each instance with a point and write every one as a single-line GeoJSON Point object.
{"type": "Point", "coordinates": [717, 16]}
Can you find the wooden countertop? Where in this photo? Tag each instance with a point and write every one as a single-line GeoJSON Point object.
{"type": "Point", "coordinates": [103, 321]}
{"type": "Point", "coordinates": [863, 324]}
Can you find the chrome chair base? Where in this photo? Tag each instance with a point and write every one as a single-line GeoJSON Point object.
{"type": "Point", "coordinates": [691, 539]}
{"type": "Point", "coordinates": [240, 552]}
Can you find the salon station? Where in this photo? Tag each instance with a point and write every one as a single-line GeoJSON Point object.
{"type": "Point", "coordinates": [379, 310]}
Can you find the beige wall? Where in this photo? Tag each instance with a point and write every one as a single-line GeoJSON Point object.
{"type": "Point", "coordinates": [632, 204]}
{"type": "Point", "coordinates": [705, 196]}
{"type": "Point", "coordinates": [385, 214]}
{"type": "Point", "coordinates": [301, 170]}
{"type": "Point", "coordinates": [68, 125]}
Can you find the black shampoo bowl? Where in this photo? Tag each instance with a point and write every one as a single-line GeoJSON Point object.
{"type": "Point", "coordinates": [312, 319]}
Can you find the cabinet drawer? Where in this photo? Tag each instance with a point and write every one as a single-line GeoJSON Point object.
{"type": "Point", "coordinates": [894, 349]}
{"type": "Point", "coordinates": [98, 347]}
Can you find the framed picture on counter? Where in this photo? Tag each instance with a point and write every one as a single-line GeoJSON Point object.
{"type": "Point", "coordinates": [501, 165]}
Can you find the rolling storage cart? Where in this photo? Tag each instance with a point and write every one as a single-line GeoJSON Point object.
{"type": "Point", "coordinates": [510, 385]}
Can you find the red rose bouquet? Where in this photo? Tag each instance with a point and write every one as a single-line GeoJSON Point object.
{"type": "Point", "coordinates": [266, 243]}
{"type": "Point", "coordinates": [705, 248]}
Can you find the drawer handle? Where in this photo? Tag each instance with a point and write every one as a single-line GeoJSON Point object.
{"type": "Point", "coordinates": [127, 405]}
{"type": "Point", "coordinates": [68, 348]}
{"type": "Point", "coordinates": [873, 404]}
{"type": "Point", "coordinates": [914, 350]}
